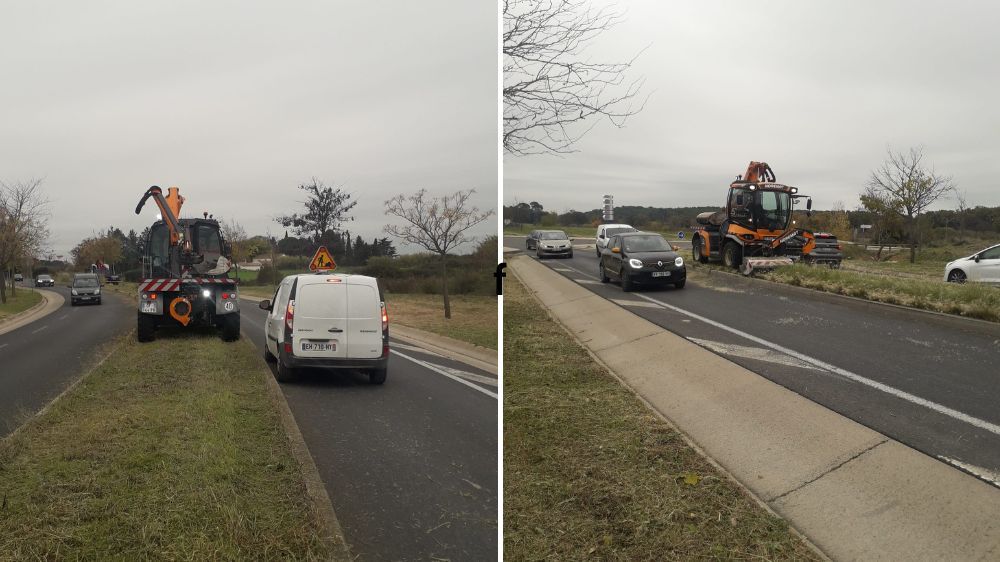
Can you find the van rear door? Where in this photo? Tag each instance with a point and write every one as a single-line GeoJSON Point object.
{"type": "Point", "coordinates": [364, 322]}
{"type": "Point", "coordinates": [320, 328]}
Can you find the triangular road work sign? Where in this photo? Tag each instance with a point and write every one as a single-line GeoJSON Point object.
{"type": "Point", "coordinates": [322, 260]}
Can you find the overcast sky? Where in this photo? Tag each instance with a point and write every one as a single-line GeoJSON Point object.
{"type": "Point", "coordinates": [816, 89]}
{"type": "Point", "coordinates": [239, 102]}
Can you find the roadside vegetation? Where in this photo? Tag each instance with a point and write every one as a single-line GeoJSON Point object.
{"type": "Point", "coordinates": [163, 452]}
{"type": "Point", "coordinates": [21, 300]}
{"type": "Point", "coordinates": [589, 472]}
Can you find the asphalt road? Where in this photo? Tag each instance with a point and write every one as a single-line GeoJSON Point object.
{"type": "Point", "coordinates": [41, 359]}
{"type": "Point", "coordinates": [410, 466]}
{"type": "Point", "coordinates": [930, 381]}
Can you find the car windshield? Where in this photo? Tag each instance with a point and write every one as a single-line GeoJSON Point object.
{"type": "Point", "coordinates": [557, 235]}
{"type": "Point", "coordinates": [652, 243]}
{"type": "Point", "coordinates": [85, 282]}
{"type": "Point", "coordinates": [44, 278]}
{"type": "Point", "coordinates": [612, 231]}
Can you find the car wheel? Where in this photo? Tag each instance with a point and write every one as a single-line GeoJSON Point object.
{"type": "Point", "coordinates": [146, 328]}
{"type": "Point", "coordinates": [696, 250]}
{"type": "Point", "coordinates": [604, 273]}
{"type": "Point", "coordinates": [538, 255]}
{"type": "Point", "coordinates": [598, 253]}
{"type": "Point", "coordinates": [285, 373]}
{"type": "Point", "coordinates": [230, 324]}
{"type": "Point", "coordinates": [957, 276]}
{"type": "Point", "coordinates": [626, 281]}
{"type": "Point", "coordinates": [570, 256]}
{"type": "Point", "coordinates": [268, 356]}
{"type": "Point", "coordinates": [377, 376]}
{"type": "Point", "coordinates": [680, 284]}
{"type": "Point", "coordinates": [72, 302]}
{"type": "Point", "coordinates": [731, 257]}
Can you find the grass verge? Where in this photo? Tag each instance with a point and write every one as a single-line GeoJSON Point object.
{"type": "Point", "coordinates": [473, 317]}
{"type": "Point", "coordinates": [971, 299]}
{"type": "Point", "coordinates": [589, 471]}
{"type": "Point", "coordinates": [166, 450]}
{"type": "Point", "coordinates": [23, 300]}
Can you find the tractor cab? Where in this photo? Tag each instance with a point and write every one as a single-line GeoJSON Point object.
{"type": "Point", "coordinates": [763, 206]}
{"type": "Point", "coordinates": [202, 251]}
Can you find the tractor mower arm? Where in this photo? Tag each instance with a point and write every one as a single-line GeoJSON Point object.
{"type": "Point", "coordinates": [166, 212]}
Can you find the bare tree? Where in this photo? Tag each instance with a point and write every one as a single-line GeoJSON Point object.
{"type": "Point", "coordinates": [326, 208]}
{"type": "Point", "coordinates": [549, 86]}
{"type": "Point", "coordinates": [236, 236]}
{"type": "Point", "coordinates": [437, 224]}
{"type": "Point", "coordinates": [23, 232]}
{"type": "Point", "coordinates": [902, 185]}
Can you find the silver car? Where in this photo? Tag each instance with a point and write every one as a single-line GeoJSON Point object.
{"type": "Point", "coordinates": [553, 243]}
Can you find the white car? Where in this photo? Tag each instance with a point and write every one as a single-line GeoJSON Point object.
{"type": "Point", "coordinates": [606, 231]}
{"type": "Point", "coordinates": [332, 321]}
{"type": "Point", "coordinates": [983, 267]}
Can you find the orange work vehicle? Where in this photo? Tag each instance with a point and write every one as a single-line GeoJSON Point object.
{"type": "Point", "coordinates": [756, 229]}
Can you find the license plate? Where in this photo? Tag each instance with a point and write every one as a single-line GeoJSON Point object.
{"type": "Point", "coordinates": [319, 346]}
{"type": "Point", "coordinates": [149, 307]}
{"type": "Point", "coordinates": [661, 274]}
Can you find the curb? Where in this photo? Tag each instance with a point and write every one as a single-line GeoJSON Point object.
{"type": "Point", "coordinates": [855, 493]}
{"type": "Point", "coordinates": [32, 314]}
{"type": "Point", "coordinates": [315, 488]}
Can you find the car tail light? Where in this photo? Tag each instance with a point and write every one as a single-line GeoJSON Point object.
{"type": "Point", "coordinates": [290, 315]}
{"type": "Point", "coordinates": [385, 318]}
{"type": "Point", "coordinates": [288, 348]}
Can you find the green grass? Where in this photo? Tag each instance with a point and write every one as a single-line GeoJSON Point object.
{"type": "Point", "coordinates": [168, 450]}
{"type": "Point", "coordinates": [589, 472]}
{"type": "Point", "coordinates": [22, 300]}
{"type": "Point", "coordinates": [473, 317]}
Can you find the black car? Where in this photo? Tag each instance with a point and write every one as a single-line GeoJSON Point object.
{"type": "Point", "coordinates": [45, 281]}
{"type": "Point", "coordinates": [641, 258]}
{"type": "Point", "coordinates": [827, 251]}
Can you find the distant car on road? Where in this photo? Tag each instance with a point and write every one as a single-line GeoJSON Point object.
{"type": "Point", "coordinates": [553, 243]}
{"type": "Point", "coordinates": [18, 278]}
{"type": "Point", "coordinates": [531, 242]}
{"type": "Point", "coordinates": [331, 321]}
{"type": "Point", "coordinates": [45, 281]}
{"type": "Point", "coordinates": [86, 287]}
{"type": "Point", "coordinates": [641, 258]}
{"type": "Point", "coordinates": [982, 267]}
{"type": "Point", "coordinates": [606, 231]}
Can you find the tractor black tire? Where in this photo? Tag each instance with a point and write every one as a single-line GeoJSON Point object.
{"type": "Point", "coordinates": [146, 328]}
{"type": "Point", "coordinates": [696, 250]}
{"type": "Point", "coordinates": [732, 255]}
{"type": "Point", "coordinates": [377, 376]}
{"type": "Point", "coordinates": [627, 285]}
{"type": "Point", "coordinates": [284, 372]}
{"type": "Point", "coordinates": [230, 325]}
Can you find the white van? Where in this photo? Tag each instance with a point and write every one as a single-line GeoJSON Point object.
{"type": "Point", "coordinates": [606, 231]}
{"type": "Point", "coordinates": [327, 320]}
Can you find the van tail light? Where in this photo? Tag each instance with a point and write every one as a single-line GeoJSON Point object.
{"type": "Point", "coordinates": [290, 315]}
{"type": "Point", "coordinates": [385, 318]}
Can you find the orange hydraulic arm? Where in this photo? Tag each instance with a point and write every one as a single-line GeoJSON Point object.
{"type": "Point", "coordinates": [170, 209]}
{"type": "Point", "coordinates": [758, 172]}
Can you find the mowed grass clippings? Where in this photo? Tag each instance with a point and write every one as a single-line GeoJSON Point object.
{"type": "Point", "coordinates": [589, 472]}
{"type": "Point", "coordinates": [170, 449]}
{"type": "Point", "coordinates": [473, 317]}
{"type": "Point", "coordinates": [22, 300]}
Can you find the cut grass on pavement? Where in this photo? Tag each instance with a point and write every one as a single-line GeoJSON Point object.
{"type": "Point", "coordinates": [590, 472]}
{"type": "Point", "coordinates": [168, 450]}
{"type": "Point", "coordinates": [23, 300]}
{"type": "Point", "coordinates": [473, 318]}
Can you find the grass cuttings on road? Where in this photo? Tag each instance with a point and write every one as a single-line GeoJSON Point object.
{"type": "Point", "coordinates": [167, 450]}
{"type": "Point", "coordinates": [589, 471]}
{"type": "Point", "coordinates": [971, 299]}
{"type": "Point", "coordinates": [473, 317]}
{"type": "Point", "coordinates": [22, 300]}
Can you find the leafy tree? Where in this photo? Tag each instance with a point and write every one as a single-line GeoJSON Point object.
{"type": "Point", "coordinates": [326, 209]}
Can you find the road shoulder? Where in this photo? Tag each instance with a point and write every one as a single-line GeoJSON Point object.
{"type": "Point", "coordinates": [852, 491]}
{"type": "Point", "coordinates": [51, 301]}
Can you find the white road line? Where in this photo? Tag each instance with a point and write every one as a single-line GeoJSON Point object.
{"type": "Point", "coordinates": [944, 410]}
{"type": "Point", "coordinates": [467, 375]}
{"type": "Point", "coordinates": [561, 269]}
{"type": "Point", "coordinates": [623, 302]}
{"type": "Point", "coordinates": [415, 348]}
{"type": "Point", "coordinates": [755, 353]}
{"type": "Point", "coordinates": [586, 281]}
{"type": "Point", "coordinates": [449, 375]}
{"type": "Point", "coordinates": [63, 317]}
{"type": "Point", "coordinates": [39, 330]}
{"type": "Point", "coordinates": [3, 345]}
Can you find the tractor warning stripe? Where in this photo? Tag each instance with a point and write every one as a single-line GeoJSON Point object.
{"type": "Point", "coordinates": [152, 285]}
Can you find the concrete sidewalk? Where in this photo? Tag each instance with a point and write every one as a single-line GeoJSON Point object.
{"type": "Point", "coordinates": [853, 492]}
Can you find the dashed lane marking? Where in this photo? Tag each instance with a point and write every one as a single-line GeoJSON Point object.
{"type": "Point", "coordinates": [39, 330]}
{"type": "Point", "coordinates": [414, 348]}
{"type": "Point", "coordinates": [587, 282]}
{"type": "Point", "coordinates": [640, 304]}
{"type": "Point", "coordinates": [467, 375]}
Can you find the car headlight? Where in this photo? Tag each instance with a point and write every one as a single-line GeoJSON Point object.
{"type": "Point", "coordinates": [74, 292]}
{"type": "Point", "coordinates": [679, 261]}
{"type": "Point", "coordinates": [97, 292]}
{"type": "Point", "coordinates": [635, 263]}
